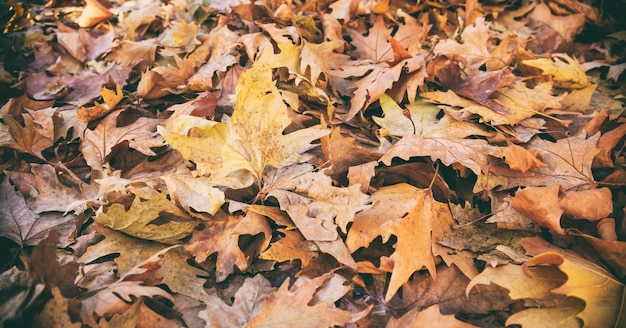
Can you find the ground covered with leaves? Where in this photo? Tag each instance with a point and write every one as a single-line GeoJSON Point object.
{"type": "Point", "coordinates": [197, 163]}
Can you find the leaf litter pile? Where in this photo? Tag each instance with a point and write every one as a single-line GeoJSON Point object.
{"type": "Point", "coordinates": [197, 163]}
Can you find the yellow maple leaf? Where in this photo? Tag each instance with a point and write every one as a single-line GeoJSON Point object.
{"type": "Point", "coordinates": [236, 154]}
{"type": "Point", "coordinates": [566, 72]}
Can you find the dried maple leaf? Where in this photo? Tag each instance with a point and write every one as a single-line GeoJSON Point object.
{"type": "Point", "coordinates": [20, 223]}
{"type": "Point", "coordinates": [301, 306]}
{"type": "Point", "coordinates": [236, 154]}
{"type": "Point", "coordinates": [408, 213]}
{"type": "Point", "coordinates": [45, 193]}
{"type": "Point", "coordinates": [221, 236]}
{"type": "Point", "coordinates": [93, 13]}
{"type": "Point", "coordinates": [81, 45]}
{"type": "Point", "coordinates": [474, 49]}
{"type": "Point", "coordinates": [374, 46]}
{"type": "Point", "coordinates": [23, 138]}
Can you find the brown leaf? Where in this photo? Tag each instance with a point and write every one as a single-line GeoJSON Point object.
{"type": "Point", "coordinates": [221, 236]}
{"type": "Point", "coordinates": [247, 304]}
{"type": "Point", "coordinates": [591, 205]}
{"type": "Point", "coordinates": [21, 224]}
{"type": "Point", "coordinates": [606, 144]}
{"type": "Point", "coordinates": [541, 204]}
{"type": "Point", "coordinates": [568, 164]}
{"type": "Point", "coordinates": [44, 267]}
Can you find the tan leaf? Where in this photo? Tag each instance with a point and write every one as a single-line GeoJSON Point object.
{"type": "Point", "coordinates": [247, 304]}
{"type": "Point", "coordinates": [425, 318]}
{"type": "Point", "coordinates": [519, 158]}
{"type": "Point", "coordinates": [295, 306]}
{"type": "Point", "coordinates": [300, 185]}
{"type": "Point", "coordinates": [291, 247]}
{"type": "Point", "coordinates": [22, 225]}
{"type": "Point", "coordinates": [406, 212]}
{"type": "Point", "coordinates": [568, 164]}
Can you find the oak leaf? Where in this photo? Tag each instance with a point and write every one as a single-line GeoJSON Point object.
{"type": "Point", "coordinates": [586, 280]}
{"type": "Point", "coordinates": [290, 247]}
{"type": "Point", "coordinates": [301, 185]}
{"type": "Point", "coordinates": [474, 49]}
{"type": "Point", "coordinates": [535, 286]}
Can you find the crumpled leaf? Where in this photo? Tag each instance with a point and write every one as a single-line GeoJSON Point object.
{"type": "Point", "coordinates": [138, 221]}
{"type": "Point", "coordinates": [301, 306]}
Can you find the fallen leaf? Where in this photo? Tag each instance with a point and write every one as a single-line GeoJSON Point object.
{"type": "Point", "coordinates": [427, 317]}
{"type": "Point", "coordinates": [260, 115]}
{"type": "Point", "coordinates": [93, 13]}
{"type": "Point", "coordinates": [540, 204]}
{"type": "Point", "coordinates": [296, 306]}
{"type": "Point", "coordinates": [221, 236]}
{"type": "Point", "coordinates": [155, 219]}
{"type": "Point", "coordinates": [566, 72]}
{"type": "Point", "coordinates": [246, 305]}
{"type": "Point", "coordinates": [22, 225]}
{"type": "Point", "coordinates": [603, 295]}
